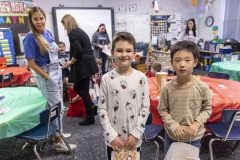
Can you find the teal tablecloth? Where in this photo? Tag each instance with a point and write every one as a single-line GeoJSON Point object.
{"type": "Point", "coordinates": [232, 68]}
{"type": "Point", "coordinates": [25, 103]}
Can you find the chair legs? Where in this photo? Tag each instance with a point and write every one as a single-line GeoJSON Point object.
{"type": "Point", "coordinates": [35, 151]}
{"type": "Point", "coordinates": [157, 151]}
{"type": "Point", "coordinates": [69, 148]}
{"type": "Point", "coordinates": [23, 147]}
{"type": "Point", "coordinates": [236, 145]}
{"type": "Point", "coordinates": [210, 147]}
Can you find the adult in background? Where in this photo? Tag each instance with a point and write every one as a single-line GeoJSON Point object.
{"type": "Point", "coordinates": [82, 62]}
{"type": "Point", "coordinates": [41, 53]}
{"type": "Point", "coordinates": [99, 40]}
{"type": "Point", "coordinates": [190, 33]}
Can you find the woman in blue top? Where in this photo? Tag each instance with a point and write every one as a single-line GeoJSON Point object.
{"type": "Point", "coordinates": [41, 53]}
{"type": "Point", "coordinates": [99, 40]}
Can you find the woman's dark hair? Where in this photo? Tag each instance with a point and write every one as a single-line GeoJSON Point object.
{"type": "Point", "coordinates": [100, 25]}
{"type": "Point", "coordinates": [193, 29]}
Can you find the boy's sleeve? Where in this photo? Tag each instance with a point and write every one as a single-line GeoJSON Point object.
{"type": "Point", "coordinates": [163, 110]}
{"type": "Point", "coordinates": [206, 109]}
{"type": "Point", "coordinates": [144, 112]}
{"type": "Point", "coordinates": [110, 133]}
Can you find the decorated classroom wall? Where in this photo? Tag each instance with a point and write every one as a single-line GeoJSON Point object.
{"type": "Point", "coordinates": [198, 9]}
{"type": "Point", "coordinates": [13, 15]}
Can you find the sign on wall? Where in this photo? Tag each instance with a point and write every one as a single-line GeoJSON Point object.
{"type": "Point", "coordinates": [13, 15]}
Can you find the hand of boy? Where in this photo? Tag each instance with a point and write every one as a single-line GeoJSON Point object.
{"type": "Point", "coordinates": [179, 131]}
{"type": "Point", "coordinates": [131, 142]}
{"type": "Point", "coordinates": [193, 129]}
{"type": "Point", "coordinates": [117, 144]}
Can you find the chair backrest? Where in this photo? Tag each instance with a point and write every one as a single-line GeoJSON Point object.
{"type": "Point", "coordinates": [151, 131]}
{"type": "Point", "coordinates": [231, 117]}
{"type": "Point", "coordinates": [6, 77]}
{"type": "Point", "coordinates": [50, 114]}
{"type": "Point", "coordinates": [219, 75]}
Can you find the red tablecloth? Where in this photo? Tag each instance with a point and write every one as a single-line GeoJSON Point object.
{"type": "Point", "coordinates": [225, 95]}
{"type": "Point", "coordinates": [20, 75]}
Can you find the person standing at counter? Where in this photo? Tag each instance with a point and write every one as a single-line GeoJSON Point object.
{"type": "Point", "coordinates": [82, 62]}
{"type": "Point", "coordinates": [99, 40]}
{"type": "Point", "coordinates": [190, 33]}
{"type": "Point", "coordinates": [41, 52]}
{"type": "Point", "coordinates": [185, 101]}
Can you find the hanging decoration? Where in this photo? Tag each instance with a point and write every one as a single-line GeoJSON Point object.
{"type": "Point", "coordinates": [155, 5]}
{"type": "Point", "coordinates": [214, 30]}
{"type": "Point", "coordinates": [194, 2]}
{"type": "Point", "coordinates": [208, 4]}
{"type": "Point", "coordinates": [200, 16]}
{"type": "Point", "coordinates": [202, 7]}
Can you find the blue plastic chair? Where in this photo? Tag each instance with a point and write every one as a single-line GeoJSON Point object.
{"type": "Point", "coordinates": [219, 75]}
{"type": "Point", "coordinates": [151, 134]}
{"type": "Point", "coordinates": [42, 132]}
{"type": "Point", "coordinates": [228, 129]}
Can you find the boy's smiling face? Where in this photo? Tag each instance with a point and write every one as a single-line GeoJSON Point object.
{"type": "Point", "coordinates": [61, 48]}
{"type": "Point", "coordinates": [183, 63]}
{"type": "Point", "coordinates": [123, 53]}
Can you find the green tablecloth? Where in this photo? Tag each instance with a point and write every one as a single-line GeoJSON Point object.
{"type": "Point", "coordinates": [25, 103]}
{"type": "Point", "coordinates": [232, 68]}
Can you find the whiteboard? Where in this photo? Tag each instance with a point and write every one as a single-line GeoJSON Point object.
{"type": "Point", "coordinates": [88, 19]}
{"type": "Point", "coordinates": [137, 24]}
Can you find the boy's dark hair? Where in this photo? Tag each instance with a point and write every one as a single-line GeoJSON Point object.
{"type": "Point", "coordinates": [188, 46]}
{"type": "Point", "coordinates": [157, 66]}
{"type": "Point", "coordinates": [124, 36]}
{"type": "Point", "coordinates": [61, 43]}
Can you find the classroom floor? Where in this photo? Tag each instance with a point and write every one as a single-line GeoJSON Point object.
{"type": "Point", "coordinates": [90, 144]}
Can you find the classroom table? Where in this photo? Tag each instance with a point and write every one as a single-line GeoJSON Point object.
{"type": "Point", "coordinates": [25, 105]}
{"type": "Point", "coordinates": [232, 68]}
{"type": "Point", "coordinates": [20, 75]}
{"type": "Point", "coordinates": [225, 95]}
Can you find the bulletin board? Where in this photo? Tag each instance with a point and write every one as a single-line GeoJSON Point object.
{"type": "Point", "coordinates": [14, 16]}
{"type": "Point", "coordinates": [88, 19]}
{"type": "Point", "coordinates": [19, 25]}
{"type": "Point", "coordinates": [159, 24]}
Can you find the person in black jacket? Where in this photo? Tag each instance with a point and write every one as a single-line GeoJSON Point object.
{"type": "Point", "coordinates": [82, 62]}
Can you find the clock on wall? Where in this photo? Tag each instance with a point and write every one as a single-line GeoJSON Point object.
{"type": "Point", "coordinates": [209, 21]}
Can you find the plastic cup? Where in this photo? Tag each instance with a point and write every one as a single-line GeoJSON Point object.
{"type": "Point", "coordinates": [161, 78]}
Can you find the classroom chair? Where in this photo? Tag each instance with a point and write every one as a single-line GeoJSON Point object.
{"type": "Point", "coordinates": [6, 77]}
{"type": "Point", "coordinates": [228, 129]}
{"type": "Point", "coordinates": [151, 134]}
{"type": "Point", "coordinates": [42, 132]}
